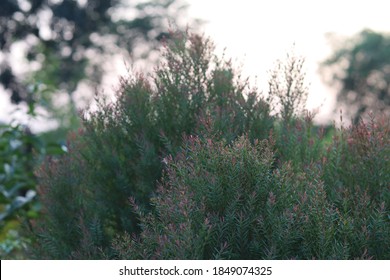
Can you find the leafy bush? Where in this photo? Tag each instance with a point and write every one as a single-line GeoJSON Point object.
{"type": "Point", "coordinates": [219, 201]}
{"type": "Point", "coordinates": [213, 172]}
{"type": "Point", "coordinates": [359, 159]}
{"type": "Point", "coordinates": [120, 150]}
{"type": "Point", "coordinates": [208, 203]}
{"type": "Point", "coordinates": [357, 174]}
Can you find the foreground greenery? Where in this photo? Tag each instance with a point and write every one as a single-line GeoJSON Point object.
{"type": "Point", "coordinates": [193, 163]}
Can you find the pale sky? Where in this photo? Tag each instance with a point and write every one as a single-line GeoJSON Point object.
{"type": "Point", "coordinates": [257, 33]}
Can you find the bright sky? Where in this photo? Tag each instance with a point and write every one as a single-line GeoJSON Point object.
{"type": "Point", "coordinates": [257, 32]}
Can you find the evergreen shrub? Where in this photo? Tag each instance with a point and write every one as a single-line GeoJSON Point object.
{"type": "Point", "coordinates": [193, 163]}
{"type": "Point", "coordinates": [119, 152]}
{"type": "Point", "coordinates": [219, 201]}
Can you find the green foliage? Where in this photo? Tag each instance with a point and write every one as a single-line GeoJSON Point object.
{"type": "Point", "coordinates": [212, 174]}
{"type": "Point", "coordinates": [122, 145]}
{"type": "Point", "coordinates": [357, 162]}
{"type": "Point", "coordinates": [74, 227]}
{"type": "Point", "coordinates": [361, 65]}
{"type": "Point", "coordinates": [207, 204]}
{"type": "Point", "coordinates": [16, 173]}
{"type": "Point", "coordinates": [219, 201]}
{"type": "Point", "coordinates": [20, 152]}
{"type": "Point", "coordinates": [12, 244]}
{"type": "Point", "coordinates": [299, 141]}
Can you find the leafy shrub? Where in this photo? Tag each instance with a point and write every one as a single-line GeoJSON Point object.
{"type": "Point", "coordinates": [359, 158]}
{"type": "Point", "coordinates": [207, 203]}
{"type": "Point", "coordinates": [122, 145]}
{"type": "Point", "coordinates": [226, 202]}
{"type": "Point", "coordinates": [213, 172]}
{"type": "Point", "coordinates": [357, 173]}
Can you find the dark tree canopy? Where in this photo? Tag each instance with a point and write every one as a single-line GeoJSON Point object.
{"type": "Point", "coordinates": [69, 39]}
{"type": "Point", "coordinates": [362, 66]}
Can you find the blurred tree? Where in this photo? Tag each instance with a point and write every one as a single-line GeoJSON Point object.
{"type": "Point", "coordinates": [66, 41]}
{"type": "Point", "coordinates": [361, 65]}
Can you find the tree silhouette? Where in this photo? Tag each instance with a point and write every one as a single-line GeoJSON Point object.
{"type": "Point", "coordinates": [362, 67]}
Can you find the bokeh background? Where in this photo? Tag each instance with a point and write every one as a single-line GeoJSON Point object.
{"type": "Point", "coordinates": [253, 33]}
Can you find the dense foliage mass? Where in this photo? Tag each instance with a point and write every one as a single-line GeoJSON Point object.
{"type": "Point", "coordinates": [192, 163]}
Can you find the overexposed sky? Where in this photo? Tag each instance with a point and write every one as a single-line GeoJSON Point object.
{"type": "Point", "coordinates": [256, 33]}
